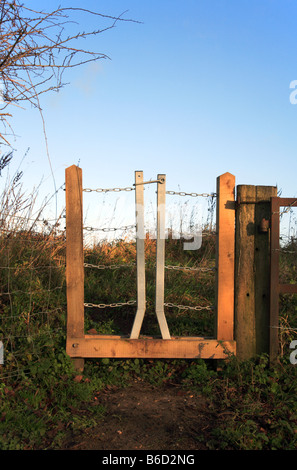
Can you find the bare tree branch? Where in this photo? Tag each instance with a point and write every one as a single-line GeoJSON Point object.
{"type": "Point", "coordinates": [35, 51]}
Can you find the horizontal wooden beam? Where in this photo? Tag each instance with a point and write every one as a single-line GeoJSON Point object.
{"type": "Point", "coordinates": [288, 288]}
{"type": "Point", "coordinates": [285, 201]}
{"type": "Point", "coordinates": [98, 346]}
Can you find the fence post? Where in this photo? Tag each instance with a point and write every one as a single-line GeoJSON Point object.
{"type": "Point", "coordinates": [225, 228]}
{"type": "Point", "coordinates": [252, 270]}
{"type": "Point", "coordinates": [74, 257]}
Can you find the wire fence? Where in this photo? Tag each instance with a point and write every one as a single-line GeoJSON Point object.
{"type": "Point", "coordinates": [32, 279]}
{"type": "Point", "coordinates": [32, 276]}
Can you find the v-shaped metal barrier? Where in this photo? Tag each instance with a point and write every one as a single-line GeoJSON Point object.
{"type": "Point", "coordinates": [80, 345]}
{"type": "Point", "coordinates": [140, 255]}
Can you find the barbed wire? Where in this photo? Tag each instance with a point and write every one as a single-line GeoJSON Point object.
{"type": "Point", "coordinates": [28, 292]}
{"type": "Point", "coordinates": [13, 232]}
{"type": "Point", "coordinates": [28, 219]}
{"type": "Point", "coordinates": [31, 314]}
{"type": "Point", "coordinates": [16, 268]}
{"type": "Point", "coordinates": [290, 237]}
{"type": "Point", "coordinates": [30, 335]}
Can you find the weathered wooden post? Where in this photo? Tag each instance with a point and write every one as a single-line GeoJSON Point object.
{"type": "Point", "coordinates": [252, 270]}
{"type": "Point", "coordinates": [74, 258]}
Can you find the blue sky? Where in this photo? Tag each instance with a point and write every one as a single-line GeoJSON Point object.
{"type": "Point", "coordinates": [200, 88]}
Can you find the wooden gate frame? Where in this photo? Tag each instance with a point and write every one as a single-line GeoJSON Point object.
{"type": "Point", "coordinates": [80, 345]}
{"type": "Point", "coordinates": [275, 287]}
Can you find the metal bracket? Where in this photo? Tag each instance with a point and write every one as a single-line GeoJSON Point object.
{"type": "Point", "coordinates": [264, 225]}
{"type": "Point", "coordinates": [161, 181]}
{"type": "Point", "coordinates": [238, 202]}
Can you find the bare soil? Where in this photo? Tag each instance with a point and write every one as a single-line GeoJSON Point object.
{"type": "Point", "coordinates": [146, 417]}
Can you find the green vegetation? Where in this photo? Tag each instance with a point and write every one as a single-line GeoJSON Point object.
{"type": "Point", "coordinates": [43, 399]}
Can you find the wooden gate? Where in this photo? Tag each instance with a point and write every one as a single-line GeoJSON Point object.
{"type": "Point", "coordinates": [276, 288]}
{"type": "Point", "coordinates": [80, 345]}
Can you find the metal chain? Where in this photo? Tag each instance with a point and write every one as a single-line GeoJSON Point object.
{"type": "Point", "coordinates": [133, 302]}
{"type": "Point", "coordinates": [182, 193]}
{"type": "Point", "coordinates": [119, 304]}
{"type": "Point", "coordinates": [101, 190]}
{"type": "Point", "coordinates": [187, 307]}
{"type": "Point", "coordinates": [188, 268]}
{"type": "Point", "coordinates": [111, 266]}
{"type": "Point", "coordinates": [177, 193]}
{"type": "Point", "coordinates": [107, 229]}
{"type": "Point", "coordinates": [117, 266]}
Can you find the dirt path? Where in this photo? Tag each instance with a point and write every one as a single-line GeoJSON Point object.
{"type": "Point", "coordinates": [145, 417]}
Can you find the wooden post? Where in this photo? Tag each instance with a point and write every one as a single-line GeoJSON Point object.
{"type": "Point", "coordinates": [252, 270]}
{"type": "Point", "coordinates": [74, 257]}
{"type": "Point", "coordinates": [225, 221]}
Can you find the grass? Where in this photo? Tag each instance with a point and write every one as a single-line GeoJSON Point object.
{"type": "Point", "coordinates": [43, 399]}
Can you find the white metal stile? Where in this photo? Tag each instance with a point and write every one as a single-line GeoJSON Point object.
{"type": "Point", "coordinates": [140, 256]}
{"type": "Point", "coordinates": [160, 256]}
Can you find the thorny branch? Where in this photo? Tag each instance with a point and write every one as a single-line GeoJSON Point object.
{"type": "Point", "coordinates": [36, 49]}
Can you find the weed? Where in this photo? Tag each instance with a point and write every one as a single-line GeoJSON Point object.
{"type": "Point", "coordinates": [42, 398]}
